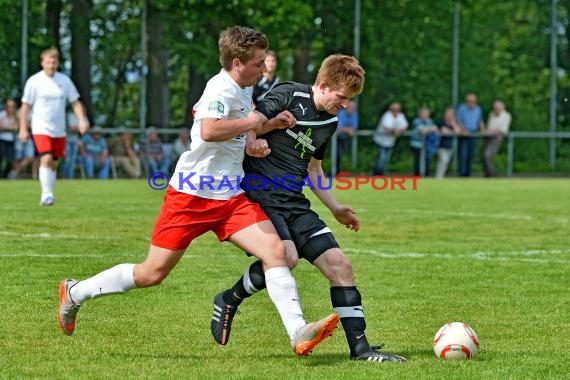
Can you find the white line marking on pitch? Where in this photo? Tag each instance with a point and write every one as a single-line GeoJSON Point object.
{"type": "Point", "coordinates": [486, 215]}
{"type": "Point", "coordinates": [495, 256]}
{"type": "Point", "coordinates": [52, 255]}
{"type": "Point", "coordinates": [471, 214]}
{"type": "Point", "coordinates": [47, 235]}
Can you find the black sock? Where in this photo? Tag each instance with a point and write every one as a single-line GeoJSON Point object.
{"type": "Point", "coordinates": [347, 303]}
{"type": "Point", "coordinates": [250, 283]}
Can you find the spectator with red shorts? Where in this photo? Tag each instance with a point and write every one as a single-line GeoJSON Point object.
{"type": "Point", "coordinates": [47, 93]}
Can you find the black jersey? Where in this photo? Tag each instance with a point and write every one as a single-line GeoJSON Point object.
{"type": "Point", "coordinates": [285, 168]}
{"type": "Point", "coordinates": [262, 87]}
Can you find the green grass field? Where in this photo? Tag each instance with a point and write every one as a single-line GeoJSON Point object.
{"type": "Point", "coordinates": [491, 253]}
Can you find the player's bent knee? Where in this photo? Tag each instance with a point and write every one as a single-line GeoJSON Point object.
{"type": "Point", "coordinates": [145, 276]}
{"type": "Point", "coordinates": [273, 253]}
{"type": "Point", "coordinates": [336, 267]}
{"type": "Point", "coordinates": [150, 279]}
{"type": "Point", "coordinates": [46, 159]}
{"type": "Point", "coordinates": [292, 262]}
{"type": "Point", "coordinates": [291, 253]}
{"type": "Point", "coordinates": [279, 251]}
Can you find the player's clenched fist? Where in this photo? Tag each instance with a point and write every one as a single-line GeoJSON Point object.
{"type": "Point", "coordinates": [282, 120]}
{"type": "Point", "coordinates": [257, 148]}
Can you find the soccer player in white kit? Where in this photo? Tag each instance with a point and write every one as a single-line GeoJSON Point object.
{"type": "Point", "coordinates": [48, 92]}
{"type": "Point", "coordinates": [222, 118]}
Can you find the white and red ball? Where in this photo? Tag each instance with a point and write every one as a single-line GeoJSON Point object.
{"type": "Point", "coordinates": [456, 340]}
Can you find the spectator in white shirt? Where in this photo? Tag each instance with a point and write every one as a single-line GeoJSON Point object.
{"type": "Point", "coordinates": [391, 126]}
{"type": "Point", "coordinates": [8, 129]}
{"type": "Point", "coordinates": [497, 127]}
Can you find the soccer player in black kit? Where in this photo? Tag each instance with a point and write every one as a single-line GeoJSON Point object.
{"type": "Point", "coordinates": [275, 181]}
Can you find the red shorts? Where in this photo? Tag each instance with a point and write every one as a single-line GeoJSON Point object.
{"type": "Point", "coordinates": [47, 144]}
{"type": "Point", "coordinates": [184, 217]}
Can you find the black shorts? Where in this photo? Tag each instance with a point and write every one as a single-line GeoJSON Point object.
{"type": "Point", "coordinates": [294, 220]}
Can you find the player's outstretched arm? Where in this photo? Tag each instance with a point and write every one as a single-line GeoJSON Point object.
{"type": "Point", "coordinates": [344, 214]}
{"type": "Point", "coordinates": [216, 130]}
{"type": "Point", "coordinates": [282, 120]}
{"type": "Point", "coordinates": [258, 147]}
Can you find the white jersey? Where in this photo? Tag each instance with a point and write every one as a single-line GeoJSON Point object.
{"type": "Point", "coordinates": [214, 170]}
{"type": "Point", "coordinates": [48, 97]}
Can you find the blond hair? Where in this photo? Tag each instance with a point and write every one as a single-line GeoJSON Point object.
{"type": "Point", "coordinates": [341, 71]}
{"type": "Point", "coordinates": [50, 52]}
{"type": "Point", "coordinates": [237, 42]}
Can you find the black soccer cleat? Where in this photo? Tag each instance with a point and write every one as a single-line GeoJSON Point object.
{"type": "Point", "coordinates": [375, 355]}
{"type": "Point", "coordinates": [222, 317]}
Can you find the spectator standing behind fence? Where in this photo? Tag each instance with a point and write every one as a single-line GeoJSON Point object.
{"type": "Point", "coordinates": [124, 154]}
{"type": "Point", "coordinates": [269, 78]}
{"type": "Point", "coordinates": [391, 126]}
{"type": "Point", "coordinates": [448, 128]}
{"type": "Point", "coordinates": [95, 153]}
{"type": "Point", "coordinates": [346, 129]}
{"type": "Point", "coordinates": [470, 118]}
{"type": "Point", "coordinates": [153, 153]}
{"type": "Point", "coordinates": [48, 92]}
{"type": "Point", "coordinates": [498, 126]}
{"type": "Point", "coordinates": [71, 146]}
{"type": "Point", "coordinates": [25, 155]}
{"type": "Point", "coordinates": [424, 131]}
{"type": "Point", "coordinates": [8, 129]}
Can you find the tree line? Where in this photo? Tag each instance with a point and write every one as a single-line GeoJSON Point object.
{"type": "Point", "coordinates": [406, 49]}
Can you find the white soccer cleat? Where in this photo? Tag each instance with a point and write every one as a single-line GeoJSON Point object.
{"type": "Point", "coordinates": [314, 333]}
{"type": "Point", "coordinates": [67, 310]}
{"type": "Point", "coordinates": [49, 201]}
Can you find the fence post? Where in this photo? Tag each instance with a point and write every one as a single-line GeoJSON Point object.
{"type": "Point", "coordinates": [452, 167]}
{"type": "Point", "coordinates": [423, 153]}
{"type": "Point", "coordinates": [510, 154]}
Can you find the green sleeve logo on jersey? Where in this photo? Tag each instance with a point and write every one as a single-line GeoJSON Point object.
{"type": "Point", "coordinates": [216, 105]}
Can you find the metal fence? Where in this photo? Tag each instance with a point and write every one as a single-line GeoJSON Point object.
{"type": "Point", "coordinates": [509, 138]}
{"type": "Point", "coordinates": [368, 133]}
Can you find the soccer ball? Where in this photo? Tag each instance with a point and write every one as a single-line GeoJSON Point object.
{"type": "Point", "coordinates": [456, 340]}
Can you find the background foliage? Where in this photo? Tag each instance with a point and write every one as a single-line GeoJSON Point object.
{"type": "Point", "coordinates": [406, 51]}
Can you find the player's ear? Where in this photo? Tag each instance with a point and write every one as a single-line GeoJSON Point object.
{"type": "Point", "coordinates": [322, 87]}
{"type": "Point", "coordinates": [236, 64]}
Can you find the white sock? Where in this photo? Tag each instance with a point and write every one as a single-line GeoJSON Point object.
{"type": "Point", "coordinates": [118, 279]}
{"type": "Point", "coordinates": [45, 182]}
{"type": "Point", "coordinates": [282, 290]}
{"type": "Point", "coordinates": [52, 176]}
